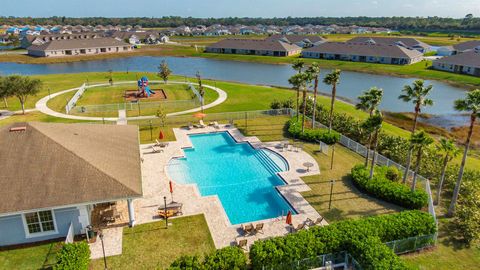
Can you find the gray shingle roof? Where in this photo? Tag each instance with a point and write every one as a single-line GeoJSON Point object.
{"type": "Point", "coordinates": [468, 45]}
{"type": "Point", "coordinates": [409, 42]}
{"type": "Point", "coordinates": [296, 38]}
{"type": "Point", "coordinates": [470, 58]}
{"type": "Point", "coordinates": [52, 165]}
{"type": "Point", "coordinates": [71, 44]}
{"type": "Point", "coordinates": [365, 49]}
{"type": "Point", "coordinates": [255, 44]}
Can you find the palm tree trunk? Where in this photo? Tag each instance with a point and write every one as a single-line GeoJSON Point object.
{"type": "Point", "coordinates": [332, 103]}
{"type": "Point", "coordinates": [442, 178]}
{"type": "Point", "coordinates": [409, 157]}
{"type": "Point", "coordinates": [374, 154]}
{"type": "Point", "coordinates": [304, 108]}
{"type": "Point", "coordinates": [415, 173]}
{"type": "Point", "coordinates": [368, 144]}
{"type": "Point", "coordinates": [456, 191]}
{"type": "Point", "coordinates": [298, 101]}
{"type": "Point", "coordinates": [314, 102]}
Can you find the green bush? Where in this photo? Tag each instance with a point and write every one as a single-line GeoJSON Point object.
{"type": "Point", "coordinates": [312, 135]}
{"type": "Point", "coordinates": [186, 263]}
{"type": "Point", "coordinates": [393, 174]}
{"type": "Point", "coordinates": [229, 258]}
{"type": "Point", "coordinates": [74, 256]}
{"type": "Point", "coordinates": [371, 253]}
{"type": "Point", "coordinates": [380, 187]}
{"type": "Point", "coordinates": [340, 236]}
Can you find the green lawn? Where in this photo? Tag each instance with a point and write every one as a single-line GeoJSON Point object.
{"type": "Point", "coordinates": [151, 246]}
{"type": "Point", "coordinates": [35, 257]}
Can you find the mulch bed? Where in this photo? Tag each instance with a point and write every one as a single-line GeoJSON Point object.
{"type": "Point", "coordinates": [131, 95]}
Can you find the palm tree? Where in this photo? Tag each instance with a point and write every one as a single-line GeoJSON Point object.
{"type": "Point", "coordinates": [373, 124]}
{"type": "Point", "coordinates": [369, 102]}
{"type": "Point", "coordinates": [298, 82]}
{"type": "Point", "coordinates": [314, 71]}
{"type": "Point", "coordinates": [298, 65]}
{"type": "Point", "coordinates": [419, 140]}
{"type": "Point", "coordinates": [448, 148]}
{"type": "Point", "coordinates": [308, 78]}
{"type": "Point", "coordinates": [332, 79]}
{"type": "Point", "coordinates": [417, 94]}
{"type": "Point", "coordinates": [471, 104]}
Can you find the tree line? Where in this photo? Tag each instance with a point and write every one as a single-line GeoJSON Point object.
{"type": "Point", "coordinates": [468, 23]}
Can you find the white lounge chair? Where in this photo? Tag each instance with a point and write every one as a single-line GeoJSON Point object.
{"type": "Point", "coordinates": [201, 124]}
{"type": "Point", "coordinates": [155, 149]}
{"type": "Point", "coordinates": [216, 125]}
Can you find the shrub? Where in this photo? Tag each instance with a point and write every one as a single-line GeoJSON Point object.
{"type": "Point", "coordinates": [225, 259]}
{"type": "Point", "coordinates": [371, 253]}
{"type": "Point", "coordinates": [74, 256]}
{"type": "Point", "coordinates": [186, 263]}
{"type": "Point", "coordinates": [340, 236]}
{"type": "Point", "coordinates": [380, 187]}
{"type": "Point", "coordinates": [312, 135]}
{"type": "Point", "coordinates": [393, 174]}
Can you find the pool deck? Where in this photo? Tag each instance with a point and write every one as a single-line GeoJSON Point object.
{"type": "Point", "coordinates": [156, 186]}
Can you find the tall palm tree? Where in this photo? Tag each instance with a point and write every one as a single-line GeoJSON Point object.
{"type": "Point", "coordinates": [373, 125]}
{"type": "Point", "coordinates": [298, 65]}
{"type": "Point", "coordinates": [332, 79]}
{"type": "Point", "coordinates": [314, 71]}
{"type": "Point", "coordinates": [308, 77]}
{"type": "Point", "coordinates": [369, 101]}
{"type": "Point", "coordinates": [470, 104]}
{"type": "Point", "coordinates": [418, 141]}
{"type": "Point", "coordinates": [298, 82]}
{"type": "Point", "coordinates": [449, 150]}
{"type": "Point", "coordinates": [417, 94]}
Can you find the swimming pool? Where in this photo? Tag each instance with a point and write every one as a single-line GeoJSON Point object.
{"type": "Point", "coordinates": [244, 178]}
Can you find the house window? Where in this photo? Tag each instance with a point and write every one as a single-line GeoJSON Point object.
{"type": "Point", "coordinates": [42, 222]}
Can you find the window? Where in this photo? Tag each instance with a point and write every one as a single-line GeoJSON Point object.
{"type": "Point", "coordinates": [42, 222]}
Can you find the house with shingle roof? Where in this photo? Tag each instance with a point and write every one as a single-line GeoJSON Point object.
{"type": "Point", "coordinates": [464, 63]}
{"type": "Point", "coordinates": [303, 41]}
{"type": "Point", "coordinates": [409, 43]}
{"type": "Point", "coordinates": [55, 175]}
{"type": "Point", "coordinates": [69, 47]}
{"type": "Point", "coordinates": [254, 47]}
{"type": "Point", "coordinates": [364, 52]}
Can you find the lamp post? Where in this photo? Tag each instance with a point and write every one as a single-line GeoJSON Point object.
{"type": "Point", "coordinates": [331, 192]}
{"type": "Point", "coordinates": [166, 216]}
{"type": "Point", "coordinates": [103, 249]}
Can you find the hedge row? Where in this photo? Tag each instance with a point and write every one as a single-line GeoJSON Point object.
{"type": "Point", "coordinates": [75, 256]}
{"type": "Point", "coordinates": [381, 187]}
{"type": "Point", "coordinates": [229, 258]}
{"type": "Point", "coordinates": [312, 135]}
{"type": "Point", "coordinates": [351, 236]}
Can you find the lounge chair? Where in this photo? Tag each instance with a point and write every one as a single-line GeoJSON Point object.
{"type": "Point", "coordinates": [242, 243]}
{"type": "Point", "coordinates": [155, 149]}
{"type": "Point", "coordinates": [167, 214]}
{"type": "Point", "coordinates": [202, 125]}
{"type": "Point", "coordinates": [190, 125]}
{"type": "Point", "coordinates": [316, 222]}
{"type": "Point", "coordinates": [216, 125]}
{"type": "Point", "coordinates": [259, 228]}
{"type": "Point", "coordinates": [248, 229]}
{"type": "Point", "coordinates": [161, 144]}
{"type": "Point", "coordinates": [299, 227]}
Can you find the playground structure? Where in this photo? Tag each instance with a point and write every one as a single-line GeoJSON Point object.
{"type": "Point", "coordinates": [143, 88]}
{"type": "Point", "coordinates": [144, 91]}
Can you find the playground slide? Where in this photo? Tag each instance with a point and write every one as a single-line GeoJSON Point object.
{"type": "Point", "coordinates": [148, 91]}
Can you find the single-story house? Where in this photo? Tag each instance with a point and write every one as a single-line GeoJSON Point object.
{"type": "Point", "coordinates": [53, 176]}
{"type": "Point", "coordinates": [303, 41]}
{"type": "Point", "coordinates": [409, 43]}
{"type": "Point", "coordinates": [466, 46]}
{"type": "Point", "coordinates": [30, 40]}
{"type": "Point", "coordinates": [254, 47]}
{"type": "Point", "coordinates": [364, 52]}
{"type": "Point", "coordinates": [70, 47]}
{"type": "Point", "coordinates": [465, 63]}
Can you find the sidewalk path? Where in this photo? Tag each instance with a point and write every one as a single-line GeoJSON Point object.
{"type": "Point", "coordinates": [41, 105]}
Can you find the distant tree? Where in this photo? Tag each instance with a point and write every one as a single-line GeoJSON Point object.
{"type": "Point", "coordinates": [470, 104]}
{"type": "Point", "coordinates": [419, 141]}
{"type": "Point", "coordinates": [164, 71]}
{"type": "Point", "coordinates": [332, 79]}
{"type": "Point", "coordinates": [22, 87]}
{"type": "Point", "coordinates": [5, 91]}
{"type": "Point", "coordinates": [448, 148]}
{"type": "Point", "coordinates": [417, 94]}
{"type": "Point", "coordinates": [162, 115]}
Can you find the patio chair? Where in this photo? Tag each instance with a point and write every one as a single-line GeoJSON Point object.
{"type": "Point", "coordinates": [242, 243]}
{"type": "Point", "coordinates": [299, 227]}
{"type": "Point", "coordinates": [190, 125]}
{"type": "Point", "coordinates": [259, 227]}
{"type": "Point", "coordinates": [155, 149]}
{"type": "Point", "coordinates": [247, 229]}
{"type": "Point", "coordinates": [216, 125]}
{"type": "Point", "coordinates": [202, 125]}
{"type": "Point", "coordinates": [167, 214]}
{"type": "Point", "coordinates": [161, 144]}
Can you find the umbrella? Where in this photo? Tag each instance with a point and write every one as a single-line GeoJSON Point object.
{"type": "Point", "coordinates": [289, 218]}
{"type": "Point", "coordinates": [170, 184]}
{"type": "Point", "coordinates": [199, 115]}
{"type": "Point", "coordinates": [161, 136]}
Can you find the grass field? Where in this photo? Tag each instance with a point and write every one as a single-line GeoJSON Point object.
{"type": "Point", "coordinates": [151, 246]}
{"type": "Point", "coordinates": [30, 258]}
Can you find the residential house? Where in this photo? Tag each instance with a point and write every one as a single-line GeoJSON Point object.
{"type": "Point", "coordinates": [409, 43]}
{"type": "Point", "coordinates": [254, 47]}
{"type": "Point", "coordinates": [41, 39]}
{"type": "Point", "coordinates": [71, 47]}
{"type": "Point", "coordinates": [364, 52]}
{"type": "Point", "coordinates": [466, 46]}
{"type": "Point", "coordinates": [464, 63]}
{"type": "Point", "coordinates": [56, 175]}
{"type": "Point", "coordinates": [302, 41]}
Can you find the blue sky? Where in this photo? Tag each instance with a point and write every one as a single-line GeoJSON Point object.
{"type": "Point", "coordinates": [239, 8]}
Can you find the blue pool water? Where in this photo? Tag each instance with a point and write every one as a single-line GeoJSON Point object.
{"type": "Point", "coordinates": [243, 178]}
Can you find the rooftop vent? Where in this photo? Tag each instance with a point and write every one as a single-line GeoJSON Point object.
{"type": "Point", "coordinates": [18, 129]}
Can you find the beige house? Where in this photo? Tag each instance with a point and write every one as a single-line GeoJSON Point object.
{"type": "Point", "coordinates": [56, 48]}
{"type": "Point", "coordinates": [364, 52]}
{"type": "Point", "coordinates": [254, 47]}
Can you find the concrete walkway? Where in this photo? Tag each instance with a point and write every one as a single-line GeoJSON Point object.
{"type": "Point", "coordinates": [41, 105]}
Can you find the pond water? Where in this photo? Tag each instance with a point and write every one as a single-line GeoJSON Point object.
{"type": "Point", "coordinates": [351, 83]}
